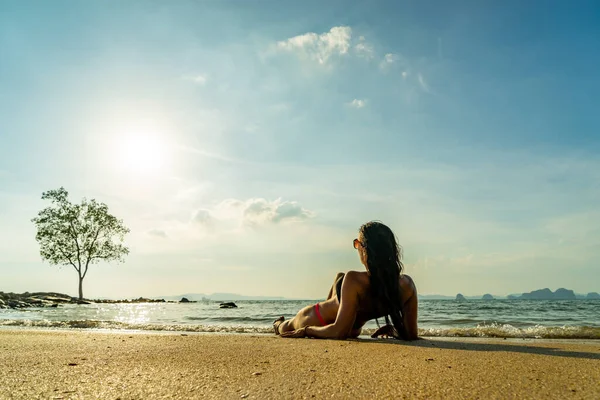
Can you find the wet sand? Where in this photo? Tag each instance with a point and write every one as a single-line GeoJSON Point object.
{"type": "Point", "coordinates": [107, 365]}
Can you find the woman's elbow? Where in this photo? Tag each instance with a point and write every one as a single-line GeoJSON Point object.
{"type": "Point", "coordinates": [340, 333]}
{"type": "Point", "coordinates": [412, 335]}
{"type": "Point", "coordinates": [354, 333]}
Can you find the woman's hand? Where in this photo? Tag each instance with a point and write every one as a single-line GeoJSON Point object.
{"type": "Point", "coordinates": [298, 333]}
{"type": "Point", "coordinates": [386, 331]}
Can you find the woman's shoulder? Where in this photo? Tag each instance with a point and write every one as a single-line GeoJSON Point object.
{"type": "Point", "coordinates": [356, 281]}
{"type": "Point", "coordinates": [357, 276]}
{"type": "Point", "coordinates": [407, 284]}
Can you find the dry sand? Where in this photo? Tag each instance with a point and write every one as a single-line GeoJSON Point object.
{"type": "Point", "coordinates": [88, 364]}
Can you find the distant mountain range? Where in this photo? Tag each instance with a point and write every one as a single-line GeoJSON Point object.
{"type": "Point", "coordinates": [541, 294]}
{"type": "Point", "coordinates": [218, 297]}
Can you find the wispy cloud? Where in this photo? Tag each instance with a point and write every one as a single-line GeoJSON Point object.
{"type": "Point", "coordinates": [397, 62]}
{"type": "Point", "coordinates": [199, 79]}
{"type": "Point", "coordinates": [388, 60]}
{"type": "Point", "coordinates": [214, 156]}
{"type": "Point", "coordinates": [364, 49]}
{"type": "Point", "coordinates": [423, 83]}
{"type": "Point", "coordinates": [357, 103]}
{"type": "Point", "coordinates": [203, 217]}
{"type": "Point", "coordinates": [157, 233]}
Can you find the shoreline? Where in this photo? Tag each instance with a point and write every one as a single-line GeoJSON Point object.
{"type": "Point", "coordinates": [365, 338]}
{"type": "Point", "coordinates": [87, 364]}
{"type": "Point", "coordinates": [498, 332]}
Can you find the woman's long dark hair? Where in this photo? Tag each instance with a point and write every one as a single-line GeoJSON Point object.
{"type": "Point", "coordinates": [385, 266]}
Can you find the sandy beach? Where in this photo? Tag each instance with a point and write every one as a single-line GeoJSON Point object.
{"type": "Point", "coordinates": [124, 365]}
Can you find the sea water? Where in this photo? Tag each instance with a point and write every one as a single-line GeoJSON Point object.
{"type": "Point", "coordinates": [473, 318]}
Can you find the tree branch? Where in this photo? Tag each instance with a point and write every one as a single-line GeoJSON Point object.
{"type": "Point", "coordinates": [89, 252]}
{"type": "Point", "coordinates": [69, 258]}
{"type": "Point", "coordinates": [74, 235]}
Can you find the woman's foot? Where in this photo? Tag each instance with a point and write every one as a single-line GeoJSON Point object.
{"type": "Point", "coordinates": [276, 324]}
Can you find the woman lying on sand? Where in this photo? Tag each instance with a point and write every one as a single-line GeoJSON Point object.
{"type": "Point", "coordinates": [357, 297]}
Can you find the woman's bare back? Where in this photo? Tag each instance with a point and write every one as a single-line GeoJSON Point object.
{"type": "Point", "coordinates": [368, 307]}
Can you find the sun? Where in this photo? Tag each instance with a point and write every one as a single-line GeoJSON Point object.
{"type": "Point", "coordinates": [141, 149]}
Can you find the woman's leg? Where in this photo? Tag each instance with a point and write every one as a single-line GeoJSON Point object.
{"type": "Point", "coordinates": [283, 326]}
{"type": "Point", "coordinates": [300, 320]}
{"type": "Point", "coordinates": [304, 316]}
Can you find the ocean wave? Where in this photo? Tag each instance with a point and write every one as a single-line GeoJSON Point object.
{"type": "Point", "coordinates": [482, 331]}
{"type": "Point", "coordinates": [494, 330]}
{"type": "Point", "coordinates": [233, 319]}
{"type": "Point", "coordinates": [116, 325]}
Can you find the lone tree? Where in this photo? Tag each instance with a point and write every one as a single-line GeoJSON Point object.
{"type": "Point", "coordinates": [78, 234]}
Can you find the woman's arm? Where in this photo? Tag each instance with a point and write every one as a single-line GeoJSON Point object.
{"type": "Point", "coordinates": [410, 310]}
{"type": "Point", "coordinates": [344, 322]}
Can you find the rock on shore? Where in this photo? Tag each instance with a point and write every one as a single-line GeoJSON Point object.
{"type": "Point", "coordinates": [50, 299]}
{"type": "Point", "coordinates": [25, 300]}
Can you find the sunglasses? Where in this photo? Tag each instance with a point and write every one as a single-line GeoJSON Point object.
{"type": "Point", "coordinates": [356, 242]}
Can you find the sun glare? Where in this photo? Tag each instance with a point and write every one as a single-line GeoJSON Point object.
{"type": "Point", "coordinates": [141, 150]}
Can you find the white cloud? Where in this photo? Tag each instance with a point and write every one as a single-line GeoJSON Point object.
{"type": "Point", "coordinates": [364, 49]}
{"type": "Point", "coordinates": [261, 211]}
{"type": "Point", "coordinates": [357, 103]}
{"type": "Point", "coordinates": [396, 60]}
{"type": "Point", "coordinates": [320, 47]}
{"type": "Point", "coordinates": [203, 217]}
{"type": "Point", "coordinates": [231, 214]}
{"type": "Point", "coordinates": [388, 60]}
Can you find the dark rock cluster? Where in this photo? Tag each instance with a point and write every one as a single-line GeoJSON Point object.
{"type": "Point", "coordinates": [138, 300]}
{"type": "Point", "coordinates": [49, 299]}
{"type": "Point", "coordinates": [25, 300]}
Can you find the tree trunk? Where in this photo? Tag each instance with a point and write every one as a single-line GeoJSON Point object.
{"type": "Point", "coordinates": [80, 288]}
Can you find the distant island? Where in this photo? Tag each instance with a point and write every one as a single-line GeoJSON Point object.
{"type": "Point", "coordinates": [540, 294]}
{"type": "Point", "coordinates": [547, 294]}
{"type": "Point", "coordinates": [559, 294]}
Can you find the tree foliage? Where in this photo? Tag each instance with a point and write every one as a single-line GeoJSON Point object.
{"type": "Point", "coordinates": [78, 234]}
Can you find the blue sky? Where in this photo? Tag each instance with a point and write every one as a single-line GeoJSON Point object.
{"type": "Point", "coordinates": [244, 143]}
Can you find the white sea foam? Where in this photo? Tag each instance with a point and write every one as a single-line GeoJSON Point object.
{"type": "Point", "coordinates": [509, 331]}
{"type": "Point", "coordinates": [482, 330]}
